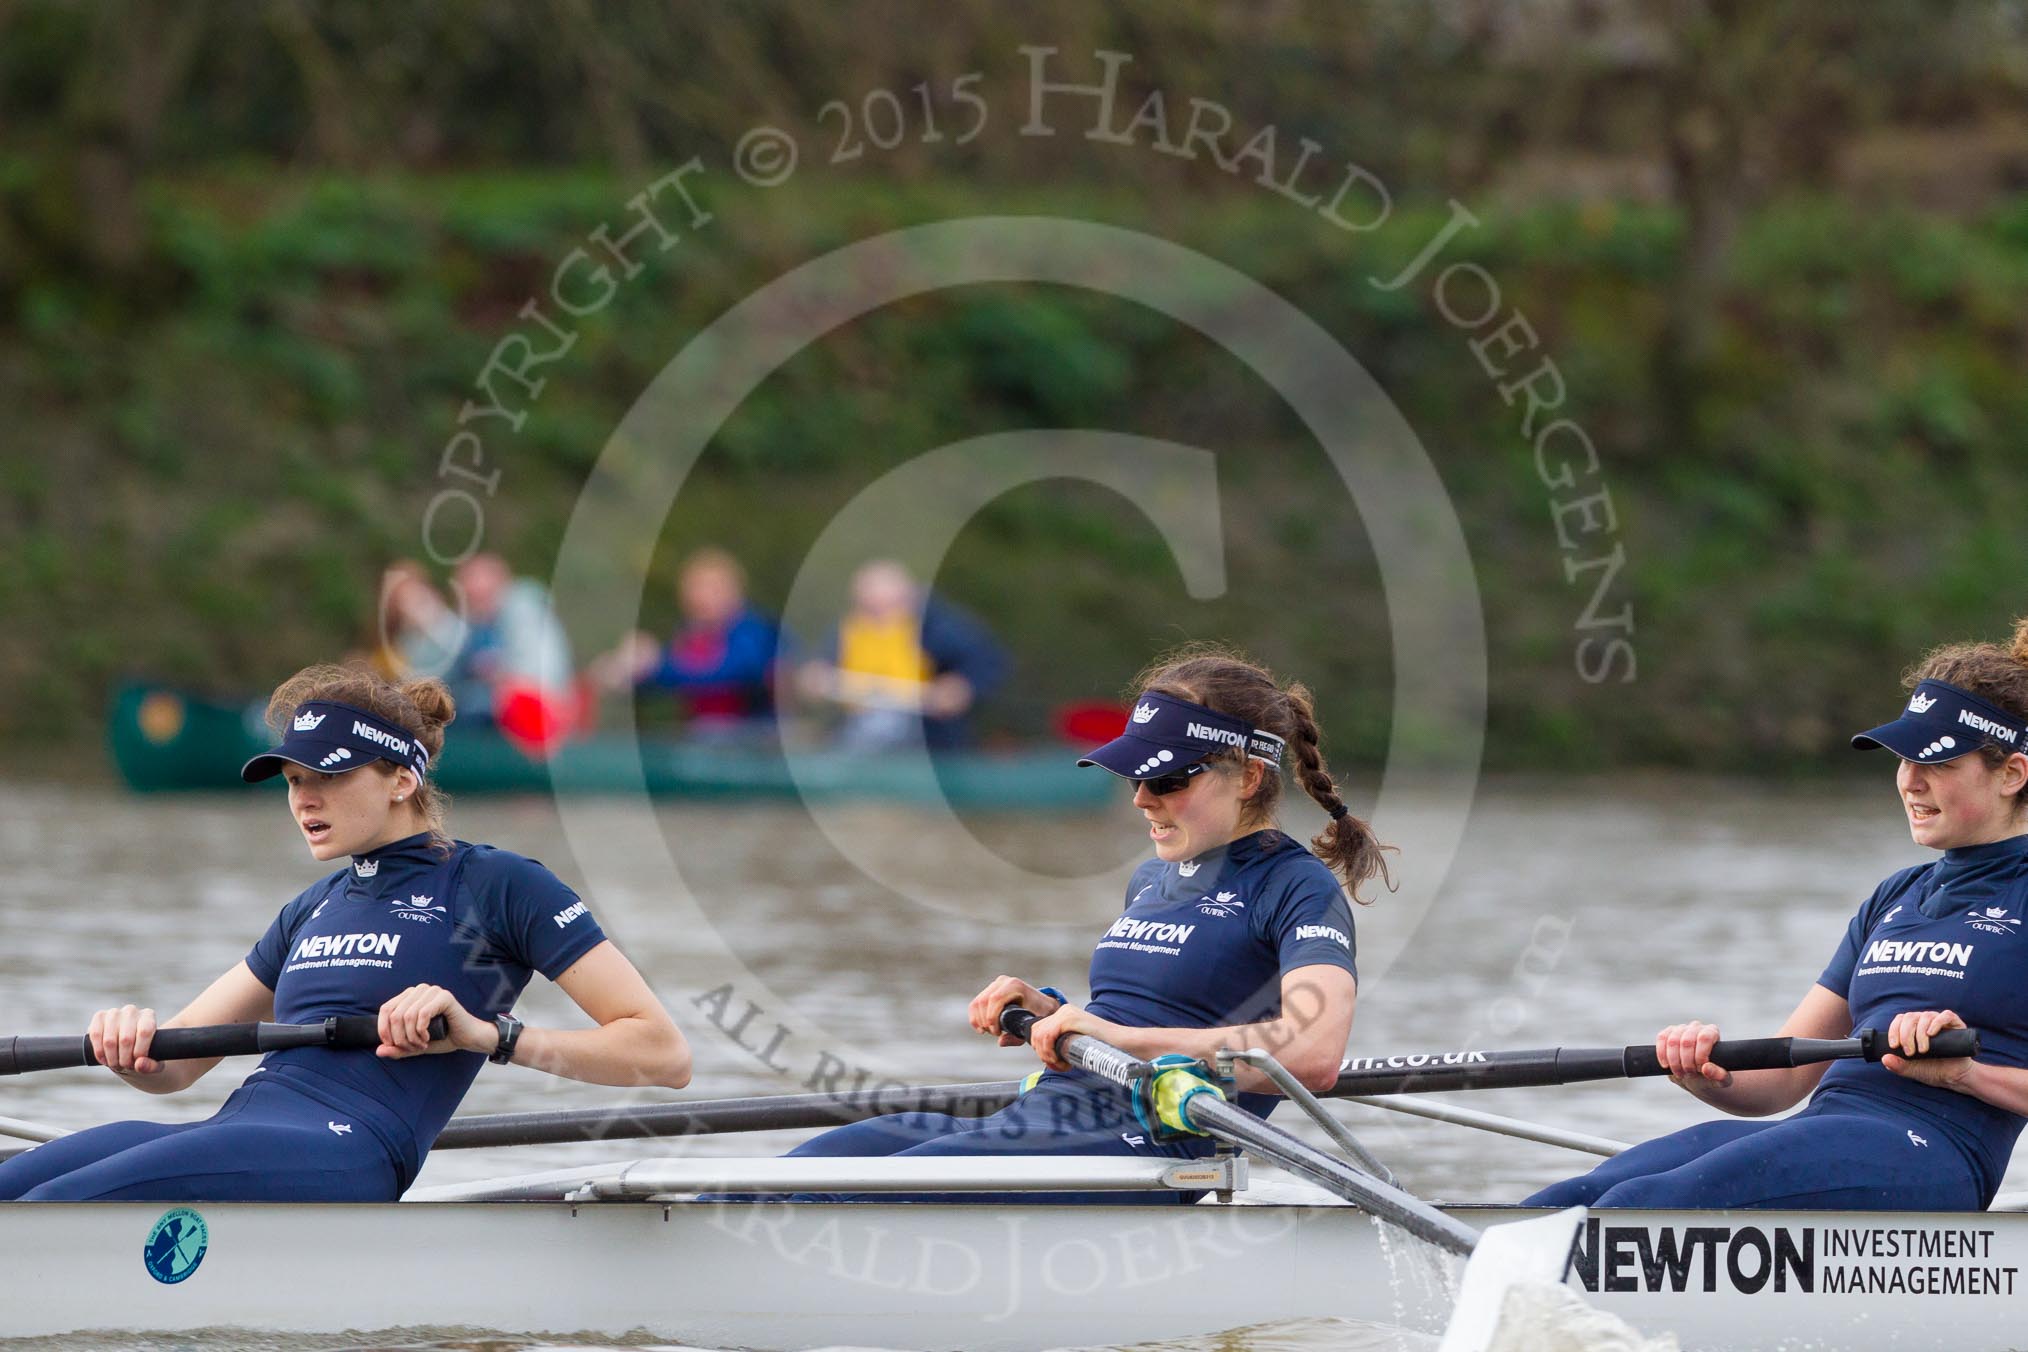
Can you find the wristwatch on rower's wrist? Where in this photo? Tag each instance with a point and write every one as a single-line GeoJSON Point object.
{"type": "Point", "coordinates": [1055, 994]}
{"type": "Point", "coordinates": [509, 1029]}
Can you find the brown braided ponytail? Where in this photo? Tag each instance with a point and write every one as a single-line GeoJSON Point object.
{"type": "Point", "coordinates": [1348, 844]}
{"type": "Point", "coordinates": [1227, 680]}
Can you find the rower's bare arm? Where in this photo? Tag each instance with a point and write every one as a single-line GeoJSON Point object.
{"type": "Point", "coordinates": [636, 1042]}
{"type": "Point", "coordinates": [1755, 1093]}
{"type": "Point", "coordinates": [2004, 1087]}
{"type": "Point", "coordinates": [1308, 1037]}
{"type": "Point", "coordinates": [120, 1037]}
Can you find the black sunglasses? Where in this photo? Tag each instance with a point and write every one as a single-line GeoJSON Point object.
{"type": "Point", "coordinates": [1164, 785]}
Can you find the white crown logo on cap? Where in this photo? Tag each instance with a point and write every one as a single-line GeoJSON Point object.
{"type": "Point", "coordinates": [1143, 712]}
{"type": "Point", "coordinates": [1921, 704]}
{"type": "Point", "coordinates": [307, 721]}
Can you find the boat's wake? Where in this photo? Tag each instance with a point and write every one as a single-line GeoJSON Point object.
{"type": "Point", "coordinates": [1546, 1317]}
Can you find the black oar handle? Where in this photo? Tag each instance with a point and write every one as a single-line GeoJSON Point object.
{"type": "Point", "coordinates": [1016, 1021]}
{"type": "Point", "coordinates": [359, 1032]}
{"type": "Point", "coordinates": [1746, 1053]}
{"type": "Point", "coordinates": [1776, 1053]}
{"type": "Point", "coordinates": [349, 1032]}
{"type": "Point", "coordinates": [1950, 1042]}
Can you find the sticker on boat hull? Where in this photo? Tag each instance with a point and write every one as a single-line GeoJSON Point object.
{"type": "Point", "coordinates": [175, 1246]}
{"type": "Point", "coordinates": [1887, 1258]}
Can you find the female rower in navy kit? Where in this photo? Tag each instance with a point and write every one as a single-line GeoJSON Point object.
{"type": "Point", "coordinates": [414, 926]}
{"type": "Point", "coordinates": [1233, 935]}
{"type": "Point", "coordinates": [1937, 946]}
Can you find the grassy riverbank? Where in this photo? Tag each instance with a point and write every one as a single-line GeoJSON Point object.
{"type": "Point", "coordinates": [213, 456]}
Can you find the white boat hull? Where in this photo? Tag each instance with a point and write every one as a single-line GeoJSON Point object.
{"type": "Point", "coordinates": [728, 1275]}
{"type": "Point", "coordinates": [950, 1276]}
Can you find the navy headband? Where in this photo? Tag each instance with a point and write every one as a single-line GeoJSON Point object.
{"type": "Point", "coordinates": [1942, 723]}
{"type": "Point", "coordinates": [1165, 735]}
{"type": "Point", "coordinates": [333, 738]}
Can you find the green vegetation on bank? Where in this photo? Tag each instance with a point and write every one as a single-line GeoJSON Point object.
{"type": "Point", "coordinates": [208, 466]}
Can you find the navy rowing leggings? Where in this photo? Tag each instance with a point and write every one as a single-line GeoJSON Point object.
{"type": "Point", "coordinates": [266, 1144]}
{"type": "Point", "coordinates": [1041, 1122]}
{"type": "Point", "coordinates": [1814, 1161]}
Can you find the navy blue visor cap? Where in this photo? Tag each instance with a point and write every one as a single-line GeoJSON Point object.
{"type": "Point", "coordinates": [333, 738]}
{"type": "Point", "coordinates": [1942, 723]}
{"type": "Point", "coordinates": [1167, 736]}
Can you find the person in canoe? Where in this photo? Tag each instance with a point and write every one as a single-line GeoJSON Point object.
{"type": "Point", "coordinates": [720, 662]}
{"type": "Point", "coordinates": [1936, 946]}
{"type": "Point", "coordinates": [1233, 935]}
{"type": "Point", "coordinates": [904, 661]}
{"type": "Point", "coordinates": [511, 666]}
{"type": "Point", "coordinates": [415, 925]}
{"type": "Point", "coordinates": [415, 632]}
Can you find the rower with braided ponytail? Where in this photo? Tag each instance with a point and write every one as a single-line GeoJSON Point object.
{"type": "Point", "coordinates": [1232, 936]}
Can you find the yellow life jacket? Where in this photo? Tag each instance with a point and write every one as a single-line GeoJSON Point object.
{"type": "Point", "coordinates": [882, 661]}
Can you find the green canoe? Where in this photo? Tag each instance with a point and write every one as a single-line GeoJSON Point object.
{"type": "Point", "coordinates": [166, 740]}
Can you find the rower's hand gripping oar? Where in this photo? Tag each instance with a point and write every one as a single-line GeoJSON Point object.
{"type": "Point", "coordinates": [1434, 1072]}
{"type": "Point", "coordinates": [348, 1032]}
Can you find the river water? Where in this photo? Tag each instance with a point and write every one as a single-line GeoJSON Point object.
{"type": "Point", "coordinates": [1573, 914]}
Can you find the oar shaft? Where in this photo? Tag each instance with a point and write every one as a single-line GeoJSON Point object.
{"type": "Point", "coordinates": [773, 1113]}
{"type": "Point", "coordinates": [353, 1032]}
{"type": "Point", "coordinates": [1239, 1127]}
{"type": "Point", "coordinates": [1442, 1072]}
{"type": "Point", "coordinates": [36, 1132]}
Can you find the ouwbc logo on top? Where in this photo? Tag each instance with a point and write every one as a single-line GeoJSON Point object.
{"type": "Point", "coordinates": [418, 908]}
{"type": "Point", "coordinates": [1224, 904]}
{"type": "Point", "coordinates": [1993, 920]}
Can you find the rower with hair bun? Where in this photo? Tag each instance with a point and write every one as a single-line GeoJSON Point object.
{"type": "Point", "coordinates": [1233, 935]}
{"type": "Point", "coordinates": [1937, 946]}
{"type": "Point", "coordinates": [415, 927]}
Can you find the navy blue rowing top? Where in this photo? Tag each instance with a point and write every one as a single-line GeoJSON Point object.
{"type": "Point", "coordinates": [1945, 935]}
{"type": "Point", "coordinates": [1203, 943]}
{"type": "Point", "coordinates": [476, 921]}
